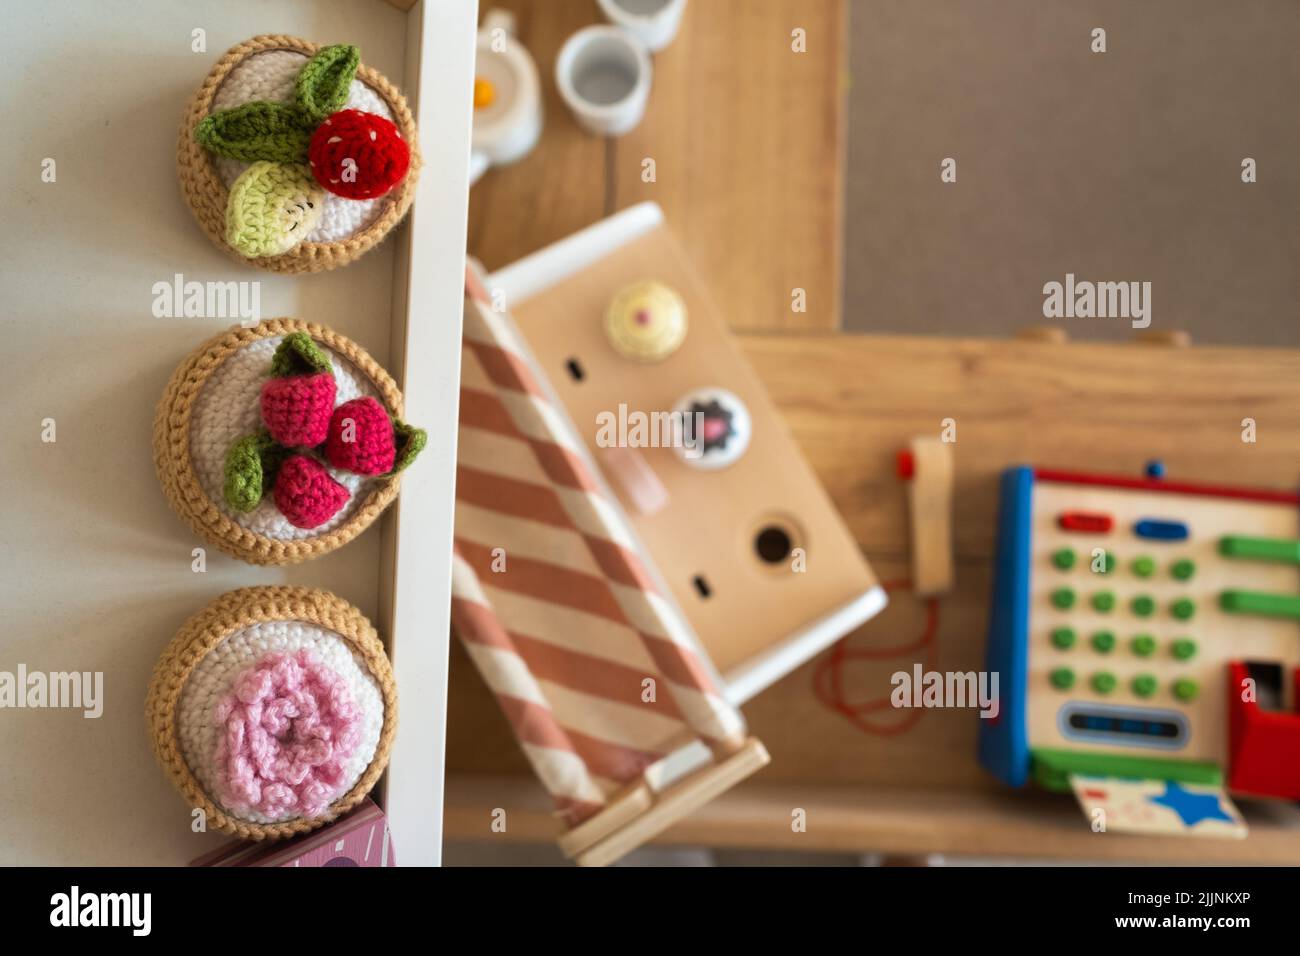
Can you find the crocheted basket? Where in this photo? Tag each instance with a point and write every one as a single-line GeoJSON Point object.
{"type": "Point", "coordinates": [296, 157]}
{"type": "Point", "coordinates": [274, 459]}
{"type": "Point", "coordinates": [273, 710]}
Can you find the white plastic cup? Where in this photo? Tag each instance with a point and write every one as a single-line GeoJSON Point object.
{"type": "Point", "coordinates": [603, 74]}
{"type": "Point", "coordinates": [653, 22]}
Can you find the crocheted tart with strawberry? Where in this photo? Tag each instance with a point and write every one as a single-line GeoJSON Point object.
{"type": "Point", "coordinates": [281, 442]}
{"type": "Point", "coordinates": [273, 710]}
{"type": "Point", "coordinates": [297, 158]}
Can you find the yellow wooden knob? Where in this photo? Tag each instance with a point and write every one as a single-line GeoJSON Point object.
{"type": "Point", "coordinates": [485, 93]}
{"type": "Point", "coordinates": [646, 321]}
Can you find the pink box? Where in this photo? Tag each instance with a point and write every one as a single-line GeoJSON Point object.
{"type": "Point", "coordinates": [359, 839]}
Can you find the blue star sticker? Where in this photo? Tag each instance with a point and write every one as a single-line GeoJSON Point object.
{"type": "Point", "coordinates": [1191, 808]}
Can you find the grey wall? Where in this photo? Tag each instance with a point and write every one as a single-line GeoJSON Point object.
{"type": "Point", "coordinates": [1116, 166]}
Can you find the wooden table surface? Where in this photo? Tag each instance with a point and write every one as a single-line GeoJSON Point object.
{"type": "Point", "coordinates": [747, 141]}
{"type": "Point", "coordinates": [851, 401]}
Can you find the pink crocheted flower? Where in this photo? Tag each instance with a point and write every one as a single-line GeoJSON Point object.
{"type": "Point", "coordinates": [287, 729]}
{"type": "Point", "coordinates": [361, 438]}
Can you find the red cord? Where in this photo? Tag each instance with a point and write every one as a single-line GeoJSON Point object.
{"type": "Point", "coordinates": [828, 677]}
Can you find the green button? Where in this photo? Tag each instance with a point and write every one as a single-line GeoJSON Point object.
{"type": "Point", "coordinates": [1184, 648]}
{"type": "Point", "coordinates": [1143, 605]}
{"type": "Point", "coordinates": [1062, 678]}
{"type": "Point", "coordinates": [1103, 682]}
{"type": "Point", "coordinates": [1185, 688]}
{"type": "Point", "coordinates": [1144, 645]}
{"type": "Point", "coordinates": [1064, 558]}
{"type": "Point", "coordinates": [1103, 601]}
{"type": "Point", "coordinates": [1063, 598]}
{"type": "Point", "coordinates": [1144, 566]}
{"type": "Point", "coordinates": [1183, 569]}
{"type": "Point", "coordinates": [1107, 562]}
{"type": "Point", "coordinates": [1286, 550]}
{"type": "Point", "coordinates": [1144, 685]}
{"type": "Point", "coordinates": [1063, 637]}
{"type": "Point", "coordinates": [1103, 642]}
{"type": "Point", "coordinates": [1183, 609]}
{"type": "Point", "coordinates": [1254, 602]}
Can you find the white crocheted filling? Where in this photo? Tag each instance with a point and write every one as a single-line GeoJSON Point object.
{"type": "Point", "coordinates": [196, 728]}
{"type": "Point", "coordinates": [270, 76]}
{"type": "Point", "coordinates": [229, 407]}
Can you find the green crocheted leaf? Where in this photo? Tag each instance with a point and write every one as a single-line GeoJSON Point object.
{"type": "Point", "coordinates": [269, 131]}
{"type": "Point", "coordinates": [251, 465]}
{"type": "Point", "coordinates": [298, 354]}
{"type": "Point", "coordinates": [410, 442]}
{"type": "Point", "coordinates": [323, 85]}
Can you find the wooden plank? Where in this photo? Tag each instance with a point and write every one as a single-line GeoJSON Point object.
{"type": "Point", "coordinates": [852, 401]}
{"type": "Point", "coordinates": [747, 138]}
{"type": "Point", "coordinates": [559, 187]}
{"type": "Point", "coordinates": [1029, 824]}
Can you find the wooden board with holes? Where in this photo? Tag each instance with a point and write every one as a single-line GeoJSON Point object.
{"type": "Point", "coordinates": [746, 137]}
{"type": "Point", "coordinates": [753, 614]}
{"type": "Point", "coordinates": [851, 402]}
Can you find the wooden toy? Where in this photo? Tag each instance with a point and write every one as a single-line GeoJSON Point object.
{"type": "Point", "coordinates": [1146, 628]}
{"type": "Point", "coordinates": [588, 566]}
{"type": "Point", "coordinates": [926, 465]}
{"type": "Point", "coordinates": [731, 541]}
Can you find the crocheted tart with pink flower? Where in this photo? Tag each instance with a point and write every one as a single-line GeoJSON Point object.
{"type": "Point", "coordinates": [279, 721]}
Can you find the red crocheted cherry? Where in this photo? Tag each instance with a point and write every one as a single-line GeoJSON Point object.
{"type": "Point", "coordinates": [306, 494]}
{"type": "Point", "coordinates": [361, 438]}
{"type": "Point", "coordinates": [358, 155]}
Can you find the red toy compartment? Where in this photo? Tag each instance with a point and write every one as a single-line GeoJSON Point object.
{"type": "Point", "coordinates": [1263, 745]}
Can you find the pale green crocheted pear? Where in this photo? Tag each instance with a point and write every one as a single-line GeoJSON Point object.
{"type": "Point", "coordinates": [272, 207]}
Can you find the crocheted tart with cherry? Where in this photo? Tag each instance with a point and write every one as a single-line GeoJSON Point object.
{"type": "Point", "coordinates": [296, 157]}
{"type": "Point", "coordinates": [281, 442]}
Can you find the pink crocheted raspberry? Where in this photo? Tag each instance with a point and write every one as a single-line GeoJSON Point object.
{"type": "Point", "coordinates": [298, 399]}
{"type": "Point", "coordinates": [358, 155]}
{"type": "Point", "coordinates": [306, 494]}
{"type": "Point", "coordinates": [287, 729]}
{"type": "Point", "coordinates": [361, 438]}
{"type": "Point", "coordinates": [296, 410]}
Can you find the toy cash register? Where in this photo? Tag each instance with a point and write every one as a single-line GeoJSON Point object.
{"type": "Point", "coordinates": [1146, 629]}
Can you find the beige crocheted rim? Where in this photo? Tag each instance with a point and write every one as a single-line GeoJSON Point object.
{"type": "Point", "coordinates": [206, 194]}
{"type": "Point", "coordinates": [175, 468]}
{"type": "Point", "coordinates": [234, 611]}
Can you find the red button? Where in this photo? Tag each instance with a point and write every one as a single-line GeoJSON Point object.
{"type": "Point", "coordinates": [1088, 522]}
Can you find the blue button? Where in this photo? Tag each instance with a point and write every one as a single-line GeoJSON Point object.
{"type": "Point", "coordinates": [1155, 469]}
{"type": "Point", "coordinates": [1160, 529]}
